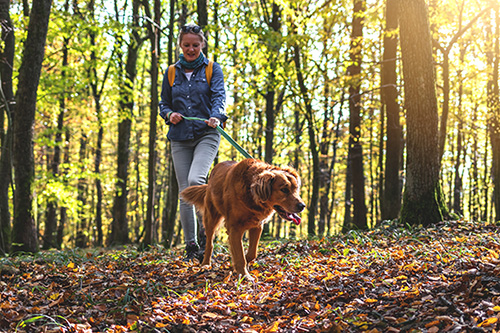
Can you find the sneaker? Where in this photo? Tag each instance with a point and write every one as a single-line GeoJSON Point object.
{"type": "Point", "coordinates": [192, 251]}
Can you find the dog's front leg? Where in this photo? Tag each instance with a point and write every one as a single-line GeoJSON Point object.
{"type": "Point", "coordinates": [253, 242]}
{"type": "Point", "coordinates": [236, 247]}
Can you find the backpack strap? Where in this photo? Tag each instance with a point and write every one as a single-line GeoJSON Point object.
{"type": "Point", "coordinates": [208, 72]}
{"type": "Point", "coordinates": [171, 74]}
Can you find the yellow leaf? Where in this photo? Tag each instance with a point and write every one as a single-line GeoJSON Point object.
{"type": "Point", "coordinates": [54, 296]}
{"type": "Point", "coordinates": [496, 308]}
{"type": "Point", "coordinates": [71, 265]}
{"type": "Point", "coordinates": [371, 300]}
{"type": "Point", "coordinates": [232, 305]}
{"type": "Point", "coordinates": [328, 276]}
{"type": "Point", "coordinates": [273, 328]}
{"type": "Point", "coordinates": [488, 322]}
{"type": "Point", "coordinates": [493, 254]}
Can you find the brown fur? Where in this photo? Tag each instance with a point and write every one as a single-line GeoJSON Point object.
{"type": "Point", "coordinates": [245, 195]}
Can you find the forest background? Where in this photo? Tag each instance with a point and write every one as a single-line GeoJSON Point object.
{"type": "Point", "coordinates": [316, 85]}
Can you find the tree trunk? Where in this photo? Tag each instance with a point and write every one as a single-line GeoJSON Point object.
{"type": "Point", "coordinates": [154, 37]}
{"type": "Point", "coordinates": [50, 234]}
{"type": "Point", "coordinates": [24, 234]}
{"type": "Point", "coordinates": [81, 238]}
{"type": "Point", "coordinates": [120, 229]}
{"type": "Point", "coordinates": [274, 23]}
{"type": "Point", "coordinates": [63, 211]}
{"type": "Point", "coordinates": [446, 78]}
{"type": "Point", "coordinates": [171, 204]}
{"type": "Point", "coordinates": [494, 121]}
{"type": "Point", "coordinates": [201, 8]}
{"type": "Point", "coordinates": [359, 221]}
{"type": "Point", "coordinates": [324, 170]}
{"type": "Point", "coordinates": [458, 188]}
{"type": "Point", "coordinates": [423, 201]}
{"type": "Point", "coordinates": [391, 195]}
{"type": "Point", "coordinates": [313, 202]}
{"type": "Point", "coordinates": [7, 100]}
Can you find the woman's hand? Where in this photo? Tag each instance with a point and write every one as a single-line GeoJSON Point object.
{"type": "Point", "coordinates": [175, 118]}
{"type": "Point", "coordinates": [213, 122]}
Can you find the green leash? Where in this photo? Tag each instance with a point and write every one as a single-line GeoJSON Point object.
{"type": "Point", "coordinates": [224, 134]}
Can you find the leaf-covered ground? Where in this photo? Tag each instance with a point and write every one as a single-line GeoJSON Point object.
{"type": "Point", "coordinates": [445, 278]}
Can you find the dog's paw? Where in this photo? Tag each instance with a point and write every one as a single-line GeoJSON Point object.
{"type": "Point", "coordinates": [249, 278]}
{"type": "Point", "coordinates": [206, 266]}
{"type": "Point", "coordinates": [245, 276]}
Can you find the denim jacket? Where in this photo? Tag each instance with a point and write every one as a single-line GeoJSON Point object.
{"type": "Point", "coordinates": [193, 98]}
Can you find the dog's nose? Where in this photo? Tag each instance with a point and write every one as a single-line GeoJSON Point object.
{"type": "Point", "coordinates": [301, 206]}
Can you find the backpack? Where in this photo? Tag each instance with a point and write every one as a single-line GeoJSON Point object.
{"type": "Point", "coordinates": [208, 73]}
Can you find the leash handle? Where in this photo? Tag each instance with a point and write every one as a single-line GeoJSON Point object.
{"type": "Point", "coordinates": [225, 135]}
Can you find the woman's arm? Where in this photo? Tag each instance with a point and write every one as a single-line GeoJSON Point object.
{"type": "Point", "coordinates": [218, 101]}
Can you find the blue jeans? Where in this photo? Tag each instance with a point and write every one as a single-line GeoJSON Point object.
{"type": "Point", "coordinates": [192, 161]}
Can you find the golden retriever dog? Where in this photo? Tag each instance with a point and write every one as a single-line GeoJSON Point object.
{"type": "Point", "coordinates": [245, 195]}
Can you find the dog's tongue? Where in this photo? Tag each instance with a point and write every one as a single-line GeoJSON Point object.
{"type": "Point", "coordinates": [295, 218]}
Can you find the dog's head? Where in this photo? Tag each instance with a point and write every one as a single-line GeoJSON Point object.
{"type": "Point", "coordinates": [280, 189]}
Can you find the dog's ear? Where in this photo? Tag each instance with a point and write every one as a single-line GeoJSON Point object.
{"type": "Point", "coordinates": [262, 186]}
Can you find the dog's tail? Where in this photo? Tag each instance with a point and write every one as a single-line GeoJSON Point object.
{"type": "Point", "coordinates": [195, 195]}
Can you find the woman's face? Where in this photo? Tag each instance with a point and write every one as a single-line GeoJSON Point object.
{"type": "Point", "coordinates": [191, 45]}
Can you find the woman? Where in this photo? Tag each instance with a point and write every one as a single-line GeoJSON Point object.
{"type": "Point", "coordinates": [194, 144]}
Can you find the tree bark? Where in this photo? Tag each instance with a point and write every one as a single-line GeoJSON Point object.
{"type": "Point", "coordinates": [50, 234]}
{"type": "Point", "coordinates": [24, 234]}
{"type": "Point", "coordinates": [494, 121]}
{"type": "Point", "coordinates": [359, 212]}
{"type": "Point", "coordinates": [391, 195]}
{"type": "Point", "coordinates": [81, 239]}
{"type": "Point", "coordinates": [7, 100]}
{"type": "Point", "coordinates": [274, 23]}
{"type": "Point", "coordinates": [313, 146]}
{"type": "Point", "coordinates": [171, 203]}
{"type": "Point", "coordinates": [154, 37]}
{"type": "Point", "coordinates": [458, 183]}
{"type": "Point", "coordinates": [423, 202]}
{"type": "Point", "coordinates": [201, 8]}
{"type": "Point", "coordinates": [120, 228]}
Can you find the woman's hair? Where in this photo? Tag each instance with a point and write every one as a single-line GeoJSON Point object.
{"type": "Point", "coordinates": [194, 29]}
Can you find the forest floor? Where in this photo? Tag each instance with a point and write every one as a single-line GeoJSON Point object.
{"type": "Point", "coordinates": [392, 279]}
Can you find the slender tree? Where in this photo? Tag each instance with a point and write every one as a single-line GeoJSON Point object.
{"type": "Point", "coordinates": [50, 235]}
{"type": "Point", "coordinates": [7, 102]}
{"type": "Point", "coordinates": [458, 182]}
{"type": "Point", "coordinates": [494, 116]}
{"type": "Point", "coordinates": [154, 39]}
{"type": "Point", "coordinates": [272, 19]}
{"type": "Point", "coordinates": [391, 196]}
{"type": "Point", "coordinates": [423, 201]}
{"type": "Point", "coordinates": [313, 202]}
{"type": "Point", "coordinates": [445, 50]}
{"type": "Point", "coordinates": [120, 228]}
{"type": "Point", "coordinates": [355, 156]}
{"type": "Point", "coordinates": [81, 228]}
{"type": "Point", "coordinates": [171, 200]}
{"type": "Point", "coordinates": [24, 235]}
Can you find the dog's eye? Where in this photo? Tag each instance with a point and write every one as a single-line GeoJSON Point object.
{"type": "Point", "coordinates": [285, 190]}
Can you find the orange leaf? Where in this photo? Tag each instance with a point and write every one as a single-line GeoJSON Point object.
{"type": "Point", "coordinates": [488, 322]}
{"type": "Point", "coordinates": [432, 323]}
